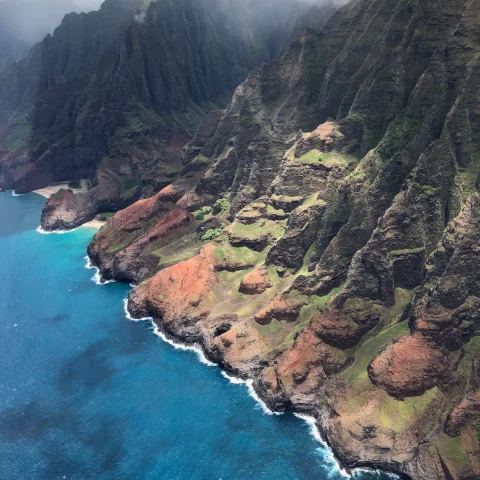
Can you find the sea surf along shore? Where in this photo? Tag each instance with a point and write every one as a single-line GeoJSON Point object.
{"type": "Point", "coordinates": [87, 394]}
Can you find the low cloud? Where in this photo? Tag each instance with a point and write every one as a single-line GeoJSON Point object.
{"type": "Point", "coordinates": [31, 20]}
{"type": "Point", "coordinates": [140, 17]}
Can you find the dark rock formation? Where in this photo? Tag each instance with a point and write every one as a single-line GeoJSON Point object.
{"type": "Point", "coordinates": [113, 94]}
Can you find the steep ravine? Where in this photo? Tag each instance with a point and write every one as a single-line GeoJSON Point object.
{"type": "Point", "coordinates": [321, 236]}
{"type": "Point", "coordinates": [112, 95]}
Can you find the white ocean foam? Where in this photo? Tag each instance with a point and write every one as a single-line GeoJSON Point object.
{"type": "Point", "coordinates": [17, 194]}
{"type": "Point", "coordinates": [178, 346]}
{"type": "Point", "coordinates": [129, 317]}
{"type": "Point", "coordinates": [97, 277]}
{"type": "Point", "coordinates": [54, 232]}
{"type": "Point", "coordinates": [378, 472]}
{"type": "Point", "coordinates": [329, 457]}
{"type": "Point", "coordinates": [359, 471]}
{"type": "Point", "coordinates": [252, 392]}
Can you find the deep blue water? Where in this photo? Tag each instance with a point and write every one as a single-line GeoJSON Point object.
{"type": "Point", "coordinates": [87, 394]}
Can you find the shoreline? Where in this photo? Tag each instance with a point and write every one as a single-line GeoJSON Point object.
{"type": "Point", "coordinates": [47, 192]}
{"type": "Point", "coordinates": [94, 224]}
{"type": "Point", "coordinates": [199, 349]}
{"type": "Point", "coordinates": [97, 224]}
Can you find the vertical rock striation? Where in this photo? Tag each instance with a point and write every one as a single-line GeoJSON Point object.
{"type": "Point", "coordinates": [327, 239]}
{"type": "Point", "coordinates": [112, 95]}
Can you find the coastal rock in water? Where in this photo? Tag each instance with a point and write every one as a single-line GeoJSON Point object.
{"type": "Point", "coordinates": [62, 211]}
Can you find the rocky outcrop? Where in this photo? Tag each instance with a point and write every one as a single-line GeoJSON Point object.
{"type": "Point", "coordinates": [255, 282]}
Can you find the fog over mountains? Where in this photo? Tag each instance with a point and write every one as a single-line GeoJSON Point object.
{"type": "Point", "coordinates": [31, 20]}
{"type": "Point", "coordinates": [25, 22]}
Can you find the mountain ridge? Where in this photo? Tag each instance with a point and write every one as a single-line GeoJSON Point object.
{"type": "Point", "coordinates": [108, 93]}
{"type": "Point", "coordinates": [321, 238]}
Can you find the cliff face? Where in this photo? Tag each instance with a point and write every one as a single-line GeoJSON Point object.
{"type": "Point", "coordinates": [322, 236]}
{"type": "Point", "coordinates": [112, 94]}
{"type": "Point", "coordinates": [49, 101]}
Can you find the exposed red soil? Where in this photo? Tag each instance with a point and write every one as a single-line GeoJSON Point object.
{"type": "Point", "coordinates": [182, 292]}
{"type": "Point", "coordinates": [408, 367]}
{"type": "Point", "coordinates": [255, 282]}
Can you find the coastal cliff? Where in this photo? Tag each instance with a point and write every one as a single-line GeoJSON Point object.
{"type": "Point", "coordinates": [321, 236]}
{"type": "Point", "coordinates": [318, 235]}
{"type": "Point", "coordinates": [112, 95]}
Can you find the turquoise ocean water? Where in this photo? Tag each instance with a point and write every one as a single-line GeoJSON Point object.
{"type": "Point", "coordinates": [87, 394]}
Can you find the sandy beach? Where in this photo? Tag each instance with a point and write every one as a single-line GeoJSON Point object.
{"type": "Point", "coordinates": [94, 224]}
{"type": "Point", "coordinates": [47, 192]}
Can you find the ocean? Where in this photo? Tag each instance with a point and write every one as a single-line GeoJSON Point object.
{"type": "Point", "coordinates": [87, 394]}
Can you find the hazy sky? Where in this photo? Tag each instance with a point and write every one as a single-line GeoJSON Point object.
{"type": "Point", "coordinates": [31, 20]}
